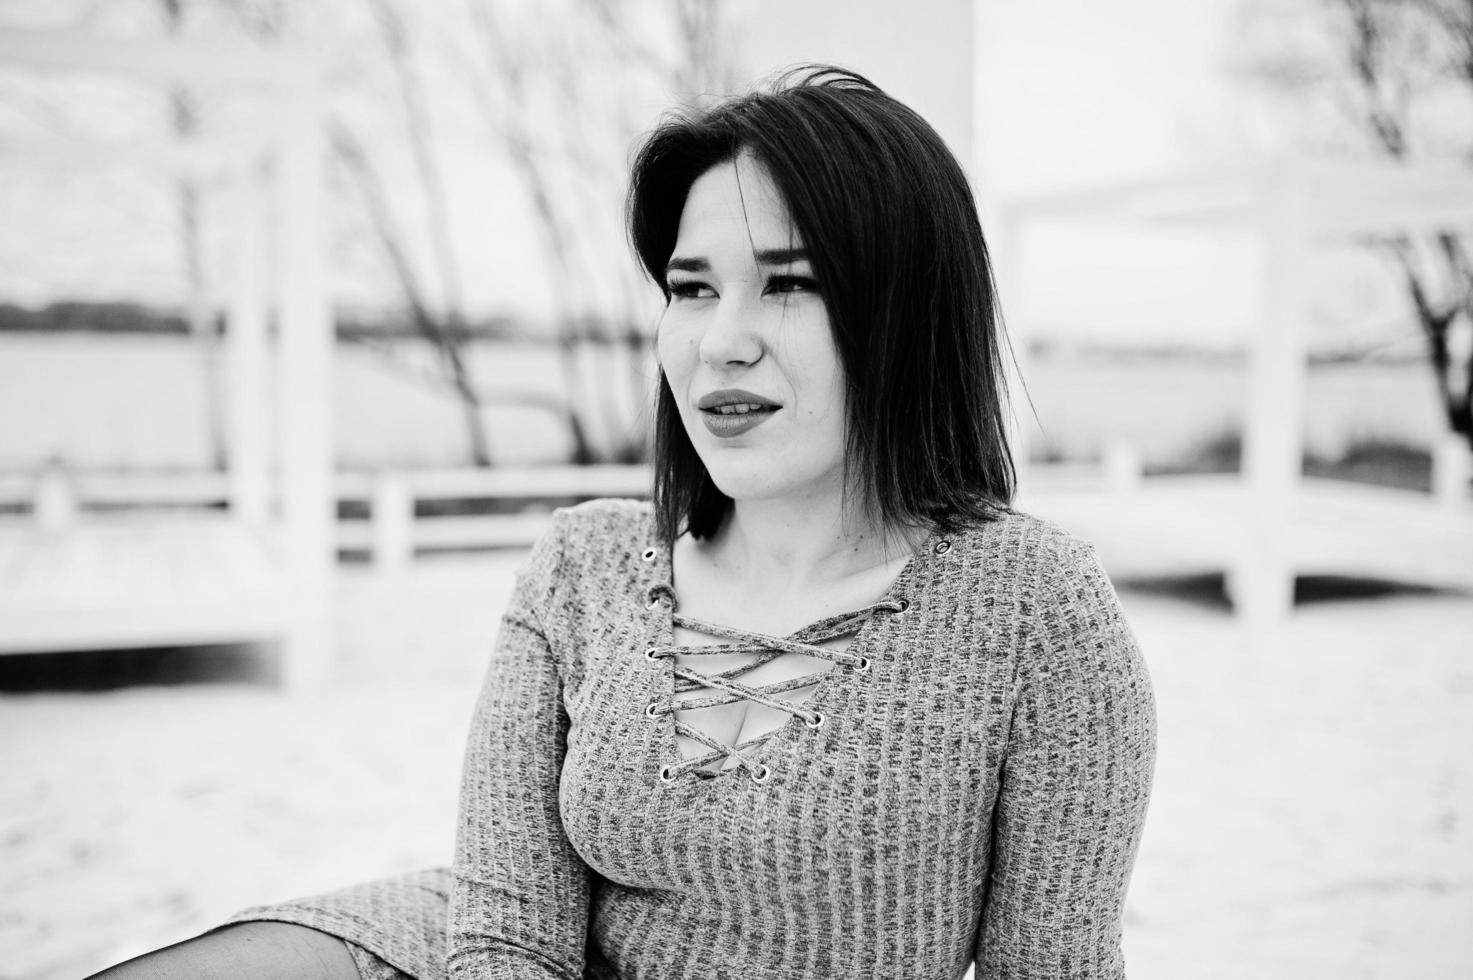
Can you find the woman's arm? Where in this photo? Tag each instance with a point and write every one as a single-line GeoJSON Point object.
{"type": "Point", "coordinates": [1074, 785]}
{"type": "Point", "coordinates": [519, 899]}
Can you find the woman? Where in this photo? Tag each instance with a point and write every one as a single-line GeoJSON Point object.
{"type": "Point", "coordinates": [829, 708]}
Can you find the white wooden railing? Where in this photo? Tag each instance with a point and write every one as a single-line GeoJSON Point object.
{"type": "Point", "coordinates": [391, 533]}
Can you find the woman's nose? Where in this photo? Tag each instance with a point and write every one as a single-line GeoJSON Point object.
{"type": "Point", "coordinates": [732, 336]}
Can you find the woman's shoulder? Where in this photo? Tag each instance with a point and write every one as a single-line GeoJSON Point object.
{"type": "Point", "coordinates": [607, 516]}
{"type": "Point", "coordinates": [598, 531]}
{"type": "Point", "coordinates": [598, 545]}
{"type": "Point", "coordinates": [1015, 537]}
{"type": "Point", "coordinates": [1055, 578]}
{"type": "Point", "coordinates": [1037, 566]}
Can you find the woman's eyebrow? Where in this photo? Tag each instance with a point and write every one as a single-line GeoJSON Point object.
{"type": "Point", "coordinates": [766, 256]}
{"type": "Point", "coordinates": [687, 265]}
{"type": "Point", "coordinates": [781, 256]}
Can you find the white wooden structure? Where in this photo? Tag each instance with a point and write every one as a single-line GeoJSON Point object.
{"type": "Point", "coordinates": [259, 569]}
{"type": "Point", "coordinates": [1269, 524]}
{"type": "Point", "coordinates": [391, 535]}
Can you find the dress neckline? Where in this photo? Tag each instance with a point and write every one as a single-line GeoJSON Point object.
{"type": "Point", "coordinates": [894, 600]}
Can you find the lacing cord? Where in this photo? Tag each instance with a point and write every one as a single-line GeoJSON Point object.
{"type": "Point", "coordinates": [768, 648]}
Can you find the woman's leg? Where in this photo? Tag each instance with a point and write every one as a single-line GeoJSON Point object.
{"type": "Point", "coordinates": [244, 951]}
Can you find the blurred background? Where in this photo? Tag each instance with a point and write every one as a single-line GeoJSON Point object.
{"type": "Point", "coordinates": [311, 313]}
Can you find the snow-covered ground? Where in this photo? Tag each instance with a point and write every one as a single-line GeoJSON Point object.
{"type": "Point", "coordinates": [1313, 811]}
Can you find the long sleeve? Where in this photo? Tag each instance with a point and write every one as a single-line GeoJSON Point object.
{"type": "Point", "coordinates": [1075, 781]}
{"type": "Point", "coordinates": [520, 893]}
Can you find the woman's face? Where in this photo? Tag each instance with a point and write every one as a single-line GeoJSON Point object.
{"type": "Point", "coordinates": [745, 343]}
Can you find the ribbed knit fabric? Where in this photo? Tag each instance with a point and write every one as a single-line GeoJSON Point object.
{"type": "Point", "coordinates": [978, 791]}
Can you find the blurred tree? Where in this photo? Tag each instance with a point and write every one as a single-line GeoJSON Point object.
{"type": "Point", "coordinates": [184, 121]}
{"type": "Point", "coordinates": [455, 124]}
{"type": "Point", "coordinates": [184, 110]}
{"type": "Point", "coordinates": [442, 323]}
{"type": "Point", "coordinates": [1393, 78]}
{"type": "Point", "coordinates": [554, 91]}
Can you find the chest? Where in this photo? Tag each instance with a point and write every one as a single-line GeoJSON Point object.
{"type": "Point", "coordinates": [704, 707]}
{"type": "Point", "coordinates": [904, 766]}
{"type": "Point", "coordinates": [738, 687]}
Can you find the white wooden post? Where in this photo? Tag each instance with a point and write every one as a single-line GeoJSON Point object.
{"type": "Point", "coordinates": [393, 522]}
{"type": "Point", "coordinates": [54, 503]}
{"type": "Point", "coordinates": [1123, 468]}
{"type": "Point", "coordinates": [247, 379]}
{"type": "Point", "coordinates": [1261, 582]}
{"type": "Point", "coordinates": [1008, 260]}
{"type": "Point", "coordinates": [1452, 469]}
{"type": "Point", "coordinates": [304, 349]}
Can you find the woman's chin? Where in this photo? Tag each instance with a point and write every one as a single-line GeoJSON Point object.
{"type": "Point", "coordinates": [741, 487]}
{"type": "Point", "coordinates": [759, 485]}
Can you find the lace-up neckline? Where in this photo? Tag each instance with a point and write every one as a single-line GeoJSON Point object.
{"type": "Point", "coordinates": [731, 690]}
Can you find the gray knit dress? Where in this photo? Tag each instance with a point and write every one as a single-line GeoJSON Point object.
{"type": "Point", "coordinates": [974, 792]}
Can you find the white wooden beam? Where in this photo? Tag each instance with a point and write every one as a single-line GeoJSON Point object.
{"type": "Point", "coordinates": [248, 377]}
{"type": "Point", "coordinates": [188, 157]}
{"type": "Point", "coordinates": [1339, 218]}
{"type": "Point", "coordinates": [156, 59]}
{"type": "Point", "coordinates": [304, 350]}
{"type": "Point", "coordinates": [1342, 198]}
{"type": "Point", "coordinates": [1262, 581]}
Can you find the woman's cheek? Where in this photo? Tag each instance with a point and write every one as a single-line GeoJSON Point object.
{"type": "Point", "coordinates": [678, 348]}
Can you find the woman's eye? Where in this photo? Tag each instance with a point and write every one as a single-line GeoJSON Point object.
{"type": "Point", "coordinates": [792, 284]}
{"type": "Point", "coordinates": [690, 289]}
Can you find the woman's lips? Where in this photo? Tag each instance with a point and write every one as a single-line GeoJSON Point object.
{"type": "Point", "coordinates": [736, 420]}
{"type": "Point", "coordinates": [732, 411]}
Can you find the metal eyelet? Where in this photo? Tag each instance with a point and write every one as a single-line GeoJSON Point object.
{"type": "Point", "coordinates": [649, 653]}
{"type": "Point", "coordinates": [863, 666]}
{"type": "Point", "coordinates": [904, 605]}
{"type": "Point", "coordinates": [649, 554]}
{"type": "Point", "coordinates": [762, 775]}
{"type": "Point", "coordinates": [817, 721]}
{"type": "Point", "coordinates": [667, 775]}
{"type": "Point", "coordinates": [649, 710]}
{"type": "Point", "coordinates": [942, 547]}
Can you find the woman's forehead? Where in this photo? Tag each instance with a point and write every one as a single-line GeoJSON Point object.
{"type": "Point", "coordinates": [735, 201]}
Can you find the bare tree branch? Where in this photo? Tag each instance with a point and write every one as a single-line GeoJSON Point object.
{"type": "Point", "coordinates": [1389, 51]}
{"type": "Point", "coordinates": [448, 341]}
{"type": "Point", "coordinates": [422, 146]}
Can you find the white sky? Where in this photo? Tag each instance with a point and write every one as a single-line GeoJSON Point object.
{"type": "Point", "coordinates": [1076, 94]}
{"type": "Point", "coordinates": [1068, 93]}
{"type": "Point", "coordinates": [1073, 91]}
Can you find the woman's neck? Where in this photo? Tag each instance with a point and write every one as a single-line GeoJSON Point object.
{"type": "Point", "coordinates": [777, 546]}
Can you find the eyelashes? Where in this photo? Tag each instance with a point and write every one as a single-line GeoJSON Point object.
{"type": "Point", "coordinates": [690, 289]}
{"type": "Point", "coordinates": [782, 283]}
{"type": "Point", "coordinates": [791, 284]}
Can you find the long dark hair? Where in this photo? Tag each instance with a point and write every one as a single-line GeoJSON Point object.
{"type": "Point", "coordinates": [888, 219]}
